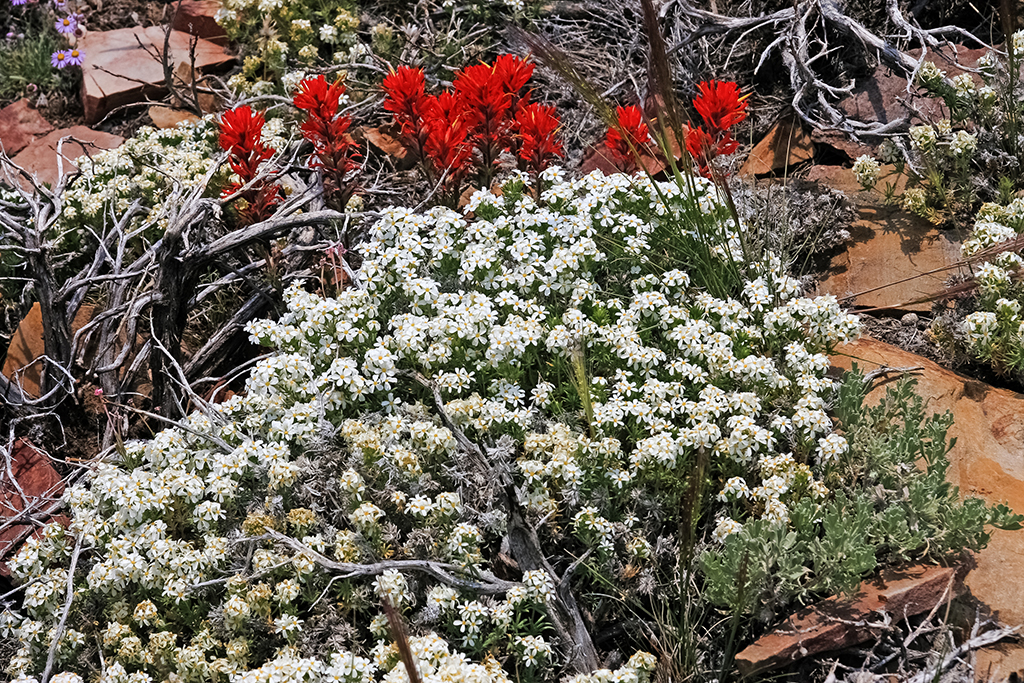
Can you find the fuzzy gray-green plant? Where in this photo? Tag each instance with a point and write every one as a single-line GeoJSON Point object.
{"type": "Point", "coordinates": [892, 505]}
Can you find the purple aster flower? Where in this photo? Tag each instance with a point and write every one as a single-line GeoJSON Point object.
{"type": "Point", "coordinates": [66, 25]}
{"type": "Point", "coordinates": [18, 2]}
{"type": "Point", "coordinates": [76, 57]}
{"type": "Point", "coordinates": [59, 59]}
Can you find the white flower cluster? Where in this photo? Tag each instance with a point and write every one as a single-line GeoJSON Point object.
{"type": "Point", "coordinates": [995, 332]}
{"type": "Point", "coordinates": [148, 167]}
{"type": "Point", "coordinates": [929, 75]}
{"type": "Point", "coordinates": [518, 313]}
{"type": "Point", "coordinates": [637, 670]}
{"type": "Point", "coordinates": [280, 31]}
{"type": "Point", "coordinates": [530, 293]}
{"type": "Point", "coordinates": [923, 138]}
{"type": "Point", "coordinates": [866, 170]}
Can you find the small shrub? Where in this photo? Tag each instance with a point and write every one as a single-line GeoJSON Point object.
{"type": "Point", "coordinates": [565, 338]}
{"type": "Point", "coordinates": [992, 329]}
{"type": "Point", "coordinates": [891, 505]}
{"type": "Point", "coordinates": [275, 35]}
{"type": "Point", "coordinates": [973, 155]}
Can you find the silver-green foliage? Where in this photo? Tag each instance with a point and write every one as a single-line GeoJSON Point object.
{"type": "Point", "coordinates": [892, 505]}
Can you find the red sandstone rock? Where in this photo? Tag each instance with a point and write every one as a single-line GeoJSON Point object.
{"type": "Point", "coordinates": [166, 117]}
{"type": "Point", "coordinates": [831, 624]}
{"type": "Point", "coordinates": [842, 178]}
{"type": "Point", "coordinates": [19, 125]}
{"type": "Point", "coordinates": [999, 662]}
{"type": "Point", "coordinates": [120, 71]}
{"type": "Point", "coordinates": [881, 97]}
{"type": "Point", "coordinates": [889, 246]}
{"type": "Point", "coordinates": [196, 17]}
{"type": "Point", "coordinates": [27, 345]}
{"type": "Point", "coordinates": [40, 157]}
{"type": "Point", "coordinates": [785, 145]}
{"type": "Point", "coordinates": [42, 487]}
{"type": "Point", "coordinates": [986, 461]}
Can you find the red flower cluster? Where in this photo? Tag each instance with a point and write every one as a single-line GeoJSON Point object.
{"type": "Point", "coordinates": [536, 126]}
{"type": "Point", "coordinates": [328, 132]}
{"type": "Point", "coordinates": [486, 113]}
{"type": "Point", "coordinates": [407, 101]}
{"type": "Point", "coordinates": [627, 141]}
{"type": "Point", "coordinates": [721, 106]}
{"type": "Point", "coordinates": [241, 132]}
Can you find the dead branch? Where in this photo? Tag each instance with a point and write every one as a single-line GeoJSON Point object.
{"type": "Point", "coordinates": [449, 574]}
{"type": "Point", "coordinates": [801, 40]}
{"type": "Point", "coordinates": [69, 597]}
{"type": "Point", "coordinates": [526, 546]}
{"type": "Point", "coordinates": [974, 643]}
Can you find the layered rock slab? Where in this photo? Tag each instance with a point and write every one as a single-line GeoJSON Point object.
{"type": "Point", "coordinates": [199, 18]}
{"type": "Point", "coordinates": [26, 347]}
{"type": "Point", "coordinates": [987, 460]}
{"type": "Point", "coordinates": [20, 124]}
{"type": "Point", "coordinates": [45, 158]}
{"type": "Point", "coordinates": [785, 145]}
{"type": "Point", "coordinates": [124, 65]}
{"type": "Point", "coordinates": [39, 497]}
{"type": "Point", "coordinates": [839, 622]}
{"type": "Point", "coordinates": [896, 260]}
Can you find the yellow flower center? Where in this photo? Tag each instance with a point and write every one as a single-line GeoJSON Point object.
{"type": "Point", "coordinates": [67, 22]}
{"type": "Point", "coordinates": [74, 53]}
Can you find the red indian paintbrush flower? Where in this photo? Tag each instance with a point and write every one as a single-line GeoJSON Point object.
{"type": "Point", "coordinates": [405, 90]}
{"type": "Point", "coordinates": [512, 73]}
{"type": "Point", "coordinates": [241, 133]}
{"type": "Point", "coordinates": [473, 124]}
{"type": "Point", "coordinates": [241, 130]}
{"type": "Point", "coordinates": [536, 128]}
{"type": "Point", "coordinates": [701, 148]}
{"type": "Point", "coordinates": [447, 144]}
{"type": "Point", "coordinates": [318, 97]}
{"type": "Point", "coordinates": [487, 108]}
{"type": "Point", "coordinates": [406, 100]}
{"type": "Point", "coordinates": [328, 132]}
{"type": "Point", "coordinates": [720, 105]}
{"type": "Point", "coordinates": [629, 139]}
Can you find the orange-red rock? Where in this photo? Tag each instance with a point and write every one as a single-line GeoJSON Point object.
{"type": "Point", "coordinates": [785, 145]}
{"type": "Point", "coordinates": [27, 345]}
{"type": "Point", "coordinates": [121, 71]}
{"type": "Point", "coordinates": [896, 260]}
{"type": "Point", "coordinates": [842, 178]}
{"type": "Point", "coordinates": [42, 487]}
{"type": "Point", "coordinates": [986, 461]}
{"type": "Point", "coordinates": [883, 97]}
{"type": "Point", "coordinates": [196, 17]}
{"type": "Point", "coordinates": [20, 124]}
{"type": "Point", "coordinates": [40, 158]}
{"type": "Point", "coordinates": [166, 117]}
{"type": "Point", "coordinates": [999, 662]}
{"type": "Point", "coordinates": [827, 625]}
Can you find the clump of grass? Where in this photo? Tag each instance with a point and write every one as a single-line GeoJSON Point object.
{"type": "Point", "coordinates": [26, 60]}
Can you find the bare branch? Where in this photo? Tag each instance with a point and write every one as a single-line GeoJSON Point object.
{"type": "Point", "coordinates": [69, 597]}
{"type": "Point", "coordinates": [449, 574]}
